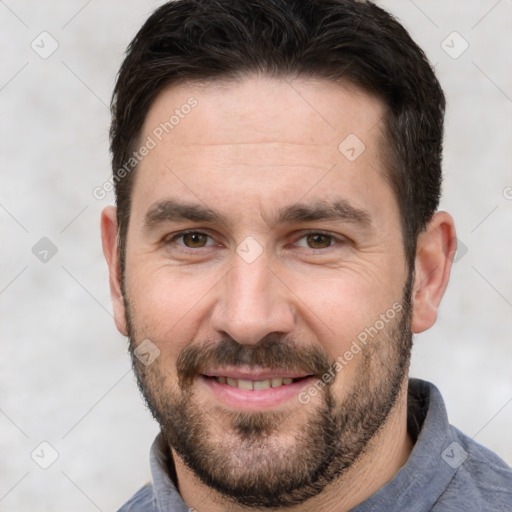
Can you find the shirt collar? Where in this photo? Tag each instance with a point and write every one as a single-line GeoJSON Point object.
{"type": "Point", "coordinates": [163, 473]}
{"type": "Point", "coordinates": [432, 462]}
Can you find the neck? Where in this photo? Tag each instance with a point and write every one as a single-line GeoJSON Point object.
{"type": "Point", "coordinates": [385, 455]}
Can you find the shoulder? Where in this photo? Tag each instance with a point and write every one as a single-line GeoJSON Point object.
{"type": "Point", "coordinates": [482, 480]}
{"type": "Point", "coordinates": [142, 501]}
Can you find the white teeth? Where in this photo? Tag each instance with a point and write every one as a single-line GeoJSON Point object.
{"type": "Point", "coordinates": [232, 382]}
{"type": "Point", "coordinates": [244, 384]}
{"type": "Point", "coordinates": [254, 384]}
{"type": "Point", "coordinates": [275, 383]}
{"type": "Point", "coordinates": [261, 384]}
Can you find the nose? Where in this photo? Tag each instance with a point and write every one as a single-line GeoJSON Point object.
{"type": "Point", "coordinates": [253, 302]}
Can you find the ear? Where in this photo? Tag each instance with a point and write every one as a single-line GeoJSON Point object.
{"type": "Point", "coordinates": [110, 250]}
{"type": "Point", "coordinates": [435, 251]}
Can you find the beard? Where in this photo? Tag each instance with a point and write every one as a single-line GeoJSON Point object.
{"type": "Point", "coordinates": [275, 459]}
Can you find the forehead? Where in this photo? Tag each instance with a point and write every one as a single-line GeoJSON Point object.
{"type": "Point", "coordinates": [259, 136]}
{"type": "Point", "coordinates": [235, 111]}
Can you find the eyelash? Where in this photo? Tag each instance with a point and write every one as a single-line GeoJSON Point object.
{"type": "Point", "coordinates": [176, 236]}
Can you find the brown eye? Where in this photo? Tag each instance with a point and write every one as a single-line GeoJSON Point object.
{"type": "Point", "coordinates": [194, 240]}
{"type": "Point", "coordinates": [319, 241]}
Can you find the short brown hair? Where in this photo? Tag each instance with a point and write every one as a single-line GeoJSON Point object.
{"type": "Point", "coordinates": [355, 41]}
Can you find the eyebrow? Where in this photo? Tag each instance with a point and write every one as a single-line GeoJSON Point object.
{"type": "Point", "coordinates": [172, 210]}
{"type": "Point", "coordinates": [340, 210]}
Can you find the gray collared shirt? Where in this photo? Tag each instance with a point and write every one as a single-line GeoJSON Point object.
{"type": "Point", "coordinates": [446, 471]}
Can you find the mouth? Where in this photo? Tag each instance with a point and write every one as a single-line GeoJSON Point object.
{"type": "Point", "coordinates": [257, 385]}
{"type": "Point", "coordinates": [254, 390]}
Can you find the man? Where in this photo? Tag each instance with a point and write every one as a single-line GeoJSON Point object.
{"type": "Point", "coordinates": [275, 246]}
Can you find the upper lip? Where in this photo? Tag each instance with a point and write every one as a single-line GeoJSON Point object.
{"type": "Point", "coordinates": [255, 374]}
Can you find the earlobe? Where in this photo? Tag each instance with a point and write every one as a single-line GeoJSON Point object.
{"type": "Point", "coordinates": [110, 250]}
{"type": "Point", "coordinates": [435, 251]}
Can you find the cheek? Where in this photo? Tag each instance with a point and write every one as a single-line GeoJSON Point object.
{"type": "Point", "coordinates": [339, 307]}
{"type": "Point", "coordinates": [166, 308]}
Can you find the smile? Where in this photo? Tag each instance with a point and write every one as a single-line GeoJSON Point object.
{"type": "Point", "coordinates": [256, 390]}
{"type": "Point", "coordinates": [255, 384]}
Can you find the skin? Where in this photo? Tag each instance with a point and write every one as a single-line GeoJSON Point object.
{"type": "Point", "coordinates": [247, 150]}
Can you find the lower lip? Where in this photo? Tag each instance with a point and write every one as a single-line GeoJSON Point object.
{"type": "Point", "coordinates": [256, 399]}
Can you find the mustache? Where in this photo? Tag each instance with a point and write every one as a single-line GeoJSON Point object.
{"type": "Point", "coordinates": [271, 352]}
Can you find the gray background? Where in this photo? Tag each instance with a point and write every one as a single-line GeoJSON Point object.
{"type": "Point", "coordinates": [65, 374]}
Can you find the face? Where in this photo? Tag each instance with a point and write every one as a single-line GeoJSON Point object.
{"type": "Point", "coordinates": [264, 246]}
